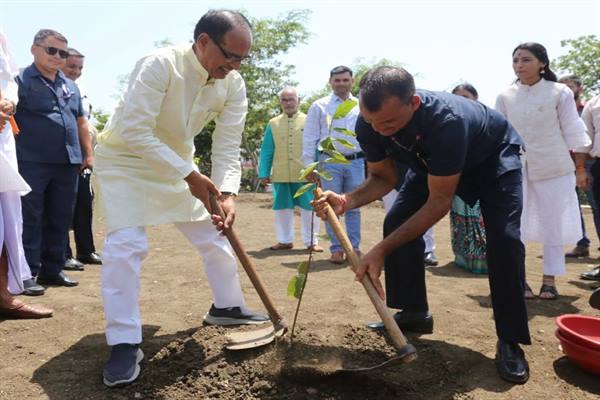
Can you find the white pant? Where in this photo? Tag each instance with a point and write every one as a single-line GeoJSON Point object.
{"type": "Point", "coordinates": [122, 256]}
{"type": "Point", "coordinates": [554, 260]}
{"type": "Point", "coordinates": [284, 226]}
{"type": "Point", "coordinates": [388, 202]}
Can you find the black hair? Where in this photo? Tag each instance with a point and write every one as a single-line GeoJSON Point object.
{"type": "Point", "coordinates": [216, 23]}
{"type": "Point", "coordinates": [340, 69]}
{"type": "Point", "coordinates": [468, 88]}
{"type": "Point", "coordinates": [541, 54]}
{"type": "Point", "coordinates": [43, 34]}
{"type": "Point", "coordinates": [382, 82]}
{"type": "Point", "coordinates": [571, 78]}
{"type": "Point", "coordinates": [75, 53]}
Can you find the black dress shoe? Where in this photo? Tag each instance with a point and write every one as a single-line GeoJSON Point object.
{"type": "Point", "coordinates": [409, 321]}
{"type": "Point", "coordinates": [595, 299]}
{"type": "Point", "coordinates": [92, 258]}
{"type": "Point", "coordinates": [60, 279]}
{"type": "Point", "coordinates": [31, 288]}
{"type": "Point", "coordinates": [511, 363]}
{"type": "Point", "coordinates": [430, 259]}
{"type": "Point", "coordinates": [73, 265]}
{"type": "Point", "coordinates": [591, 275]}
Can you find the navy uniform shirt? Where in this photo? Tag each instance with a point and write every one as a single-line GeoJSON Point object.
{"type": "Point", "coordinates": [449, 134]}
{"type": "Point", "coordinates": [47, 115]}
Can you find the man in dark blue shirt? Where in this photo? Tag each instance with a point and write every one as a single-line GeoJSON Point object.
{"type": "Point", "coordinates": [452, 146]}
{"type": "Point", "coordinates": [54, 134]}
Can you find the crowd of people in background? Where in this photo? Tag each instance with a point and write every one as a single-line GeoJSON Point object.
{"type": "Point", "coordinates": [423, 153]}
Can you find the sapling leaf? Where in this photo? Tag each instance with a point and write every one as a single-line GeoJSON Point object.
{"type": "Point", "coordinates": [295, 286]}
{"type": "Point", "coordinates": [345, 131]}
{"type": "Point", "coordinates": [303, 189]}
{"type": "Point", "coordinates": [344, 143]}
{"type": "Point", "coordinates": [344, 108]}
{"type": "Point", "coordinates": [303, 268]}
{"type": "Point", "coordinates": [324, 174]}
{"type": "Point", "coordinates": [306, 171]}
{"type": "Point", "coordinates": [337, 158]}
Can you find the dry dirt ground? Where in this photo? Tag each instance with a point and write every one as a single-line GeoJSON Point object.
{"type": "Point", "coordinates": [62, 358]}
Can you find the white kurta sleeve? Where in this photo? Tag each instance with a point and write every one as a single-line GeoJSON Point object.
{"type": "Point", "coordinates": [312, 134]}
{"type": "Point", "coordinates": [226, 169]}
{"type": "Point", "coordinates": [591, 118]}
{"type": "Point", "coordinates": [500, 107]}
{"type": "Point", "coordinates": [571, 126]}
{"type": "Point", "coordinates": [146, 91]}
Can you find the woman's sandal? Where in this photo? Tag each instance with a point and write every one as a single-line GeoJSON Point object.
{"type": "Point", "coordinates": [528, 293]}
{"type": "Point", "coordinates": [548, 289]}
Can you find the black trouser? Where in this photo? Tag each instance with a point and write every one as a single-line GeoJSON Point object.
{"type": "Point", "coordinates": [501, 202]}
{"type": "Point", "coordinates": [47, 213]}
{"type": "Point", "coordinates": [82, 219]}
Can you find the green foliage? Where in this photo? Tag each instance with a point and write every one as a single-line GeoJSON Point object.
{"type": "Point", "coordinates": [100, 119]}
{"type": "Point", "coordinates": [582, 59]}
{"type": "Point", "coordinates": [295, 284]}
{"type": "Point", "coordinates": [344, 108]}
{"type": "Point", "coordinates": [265, 75]}
{"type": "Point", "coordinates": [303, 189]}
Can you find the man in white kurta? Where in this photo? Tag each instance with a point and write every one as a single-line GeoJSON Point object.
{"type": "Point", "coordinates": [146, 175]}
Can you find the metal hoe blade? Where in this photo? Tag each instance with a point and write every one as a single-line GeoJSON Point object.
{"type": "Point", "coordinates": [253, 339]}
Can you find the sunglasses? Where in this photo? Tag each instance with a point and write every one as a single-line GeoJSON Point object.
{"type": "Point", "coordinates": [229, 56]}
{"type": "Point", "coordinates": [53, 50]}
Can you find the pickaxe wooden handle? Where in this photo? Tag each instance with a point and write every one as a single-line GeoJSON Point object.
{"type": "Point", "coordinates": [276, 318]}
{"type": "Point", "coordinates": [406, 350]}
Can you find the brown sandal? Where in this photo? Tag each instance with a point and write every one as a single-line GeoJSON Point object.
{"type": "Point", "coordinates": [528, 293]}
{"type": "Point", "coordinates": [548, 289]}
{"type": "Point", "coordinates": [282, 246]}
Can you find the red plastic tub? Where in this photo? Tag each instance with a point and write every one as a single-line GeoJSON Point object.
{"type": "Point", "coordinates": [586, 358]}
{"type": "Point", "coordinates": [580, 329]}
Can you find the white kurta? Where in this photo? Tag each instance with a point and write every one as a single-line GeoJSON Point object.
{"type": "Point", "coordinates": [550, 206]}
{"type": "Point", "coordinates": [12, 186]}
{"type": "Point", "coordinates": [147, 147]}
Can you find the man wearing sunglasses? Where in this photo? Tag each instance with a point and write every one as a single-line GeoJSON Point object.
{"type": "Point", "coordinates": [146, 176]}
{"type": "Point", "coordinates": [52, 148]}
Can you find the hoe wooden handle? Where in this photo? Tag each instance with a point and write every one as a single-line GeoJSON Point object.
{"type": "Point", "coordinates": [248, 267]}
{"type": "Point", "coordinates": [398, 339]}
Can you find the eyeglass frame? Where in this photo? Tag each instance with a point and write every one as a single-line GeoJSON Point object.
{"type": "Point", "coordinates": [51, 50]}
{"type": "Point", "coordinates": [228, 55]}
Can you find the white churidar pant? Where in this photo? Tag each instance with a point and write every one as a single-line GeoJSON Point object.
{"type": "Point", "coordinates": [122, 256]}
{"type": "Point", "coordinates": [284, 226]}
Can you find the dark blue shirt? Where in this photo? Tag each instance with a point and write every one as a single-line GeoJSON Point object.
{"type": "Point", "coordinates": [449, 134]}
{"type": "Point", "coordinates": [47, 117]}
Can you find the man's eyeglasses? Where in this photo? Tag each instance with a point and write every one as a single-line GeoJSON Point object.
{"type": "Point", "coordinates": [229, 56]}
{"type": "Point", "coordinates": [53, 50]}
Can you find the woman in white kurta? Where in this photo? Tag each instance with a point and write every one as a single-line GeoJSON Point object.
{"type": "Point", "coordinates": [13, 266]}
{"type": "Point", "coordinates": [545, 115]}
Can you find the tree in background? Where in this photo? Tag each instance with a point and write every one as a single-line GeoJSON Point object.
{"type": "Point", "coordinates": [265, 75]}
{"type": "Point", "coordinates": [582, 59]}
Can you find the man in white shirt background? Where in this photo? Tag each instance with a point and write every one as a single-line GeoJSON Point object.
{"type": "Point", "coordinates": [345, 177]}
{"type": "Point", "coordinates": [83, 212]}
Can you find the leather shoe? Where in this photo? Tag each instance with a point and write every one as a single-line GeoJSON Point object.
{"type": "Point", "coordinates": [511, 363]}
{"type": "Point", "coordinates": [32, 288]}
{"type": "Point", "coordinates": [579, 251]}
{"type": "Point", "coordinates": [430, 259]}
{"type": "Point", "coordinates": [73, 265]}
{"type": "Point", "coordinates": [337, 257]}
{"type": "Point", "coordinates": [592, 275]}
{"type": "Point", "coordinates": [24, 311]}
{"type": "Point", "coordinates": [92, 258]}
{"type": "Point", "coordinates": [595, 299]}
{"type": "Point", "coordinates": [409, 321]}
{"type": "Point", "coordinates": [60, 279]}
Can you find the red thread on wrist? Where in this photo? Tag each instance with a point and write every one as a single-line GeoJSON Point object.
{"type": "Point", "coordinates": [344, 202]}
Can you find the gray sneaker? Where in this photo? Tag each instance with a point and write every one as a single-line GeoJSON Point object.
{"type": "Point", "coordinates": [123, 367]}
{"type": "Point", "coordinates": [233, 316]}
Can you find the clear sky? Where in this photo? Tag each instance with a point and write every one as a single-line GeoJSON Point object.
{"type": "Point", "coordinates": [441, 42]}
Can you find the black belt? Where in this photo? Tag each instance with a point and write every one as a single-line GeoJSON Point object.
{"type": "Point", "coordinates": [354, 156]}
